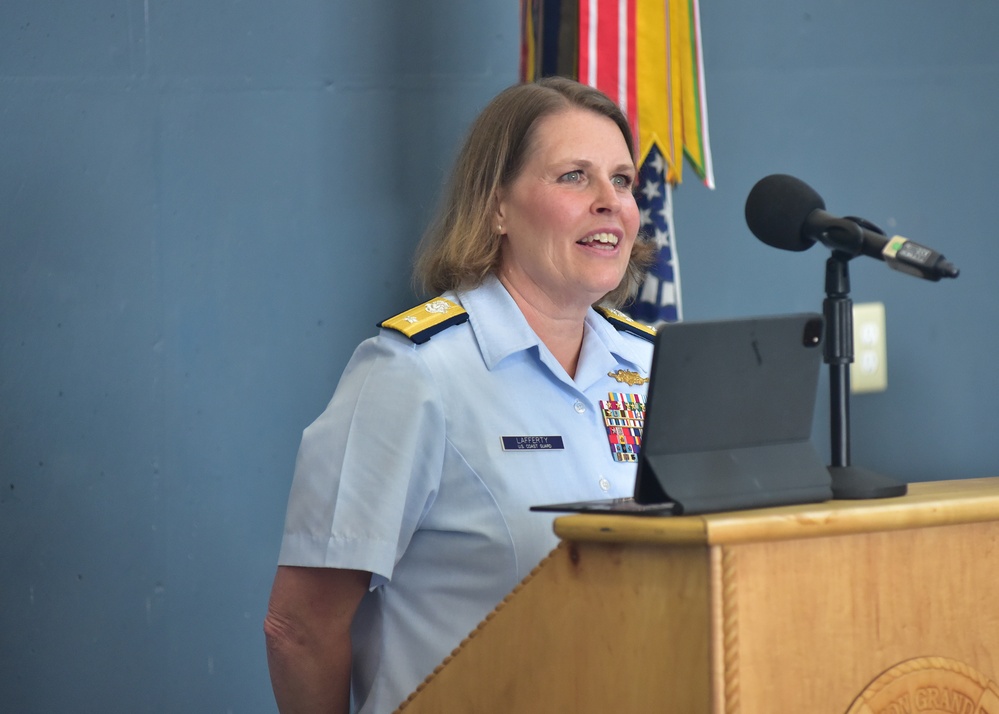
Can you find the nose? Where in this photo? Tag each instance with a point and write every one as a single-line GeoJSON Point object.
{"type": "Point", "coordinates": [607, 197]}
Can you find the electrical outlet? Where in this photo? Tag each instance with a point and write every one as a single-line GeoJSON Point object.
{"type": "Point", "coordinates": [869, 371]}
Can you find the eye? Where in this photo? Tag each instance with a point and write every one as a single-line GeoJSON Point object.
{"type": "Point", "coordinates": [572, 177]}
{"type": "Point", "coordinates": [624, 181]}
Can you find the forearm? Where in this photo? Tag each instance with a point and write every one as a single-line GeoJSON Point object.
{"type": "Point", "coordinates": [308, 637]}
{"type": "Point", "coordinates": [309, 675]}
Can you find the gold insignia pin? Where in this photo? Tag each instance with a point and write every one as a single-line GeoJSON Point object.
{"type": "Point", "coordinates": [628, 377]}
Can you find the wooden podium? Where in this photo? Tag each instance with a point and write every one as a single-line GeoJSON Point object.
{"type": "Point", "coordinates": [868, 607]}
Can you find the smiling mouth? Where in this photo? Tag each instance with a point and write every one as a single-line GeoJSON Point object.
{"type": "Point", "coordinates": [607, 239]}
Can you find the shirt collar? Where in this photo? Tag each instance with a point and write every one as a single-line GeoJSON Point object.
{"type": "Point", "coordinates": [501, 329]}
{"type": "Point", "coordinates": [499, 326]}
{"type": "Point", "coordinates": [606, 349]}
{"type": "Point", "coordinates": [622, 345]}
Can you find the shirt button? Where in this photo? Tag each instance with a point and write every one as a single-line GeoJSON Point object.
{"type": "Point", "coordinates": [579, 407]}
{"type": "Point", "coordinates": [604, 485]}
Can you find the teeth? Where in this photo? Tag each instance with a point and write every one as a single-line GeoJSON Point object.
{"type": "Point", "coordinates": [606, 238]}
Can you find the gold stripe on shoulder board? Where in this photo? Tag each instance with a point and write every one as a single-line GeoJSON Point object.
{"type": "Point", "coordinates": [626, 324]}
{"type": "Point", "coordinates": [424, 321]}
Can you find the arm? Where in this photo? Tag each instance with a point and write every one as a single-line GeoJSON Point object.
{"type": "Point", "coordinates": [308, 637]}
{"type": "Point", "coordinates": [341, 489]}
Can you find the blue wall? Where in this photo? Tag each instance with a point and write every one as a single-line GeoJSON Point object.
{"type": "Point", "coordinates": [204, 206]}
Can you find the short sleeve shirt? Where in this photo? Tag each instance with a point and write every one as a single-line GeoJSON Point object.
{"type": "Point", "coordinates": [424, 466]}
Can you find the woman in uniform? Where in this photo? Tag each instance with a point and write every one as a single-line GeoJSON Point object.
{"type": "Point", "coordinates": [409, 518]}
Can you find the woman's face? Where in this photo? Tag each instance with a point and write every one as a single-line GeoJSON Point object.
{"type": "Point", "coordinates": [569, 219]}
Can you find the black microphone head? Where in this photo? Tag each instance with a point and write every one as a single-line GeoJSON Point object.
{"type": "Point", "coordinates": [777, 208]}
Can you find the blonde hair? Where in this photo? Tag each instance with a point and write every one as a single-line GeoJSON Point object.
{"type": "Point", "coordinates": [460, 248]}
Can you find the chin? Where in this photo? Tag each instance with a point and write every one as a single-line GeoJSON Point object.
{"type": "Point", "coordinates": [596, 292]}
{"type": "Point", "coordinates": [607, 284]}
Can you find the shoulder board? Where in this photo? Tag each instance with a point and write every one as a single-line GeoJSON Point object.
{"type": "Point", "coordinates": [424, 321]}
{"type": "Point", "coordinates": [626, 324]}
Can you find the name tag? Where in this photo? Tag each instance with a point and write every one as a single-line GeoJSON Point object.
{"type": "Point", "coordinates": [532, 443]}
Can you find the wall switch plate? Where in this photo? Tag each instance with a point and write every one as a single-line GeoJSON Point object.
{"type": "Point", "coordinates": [869, 371]}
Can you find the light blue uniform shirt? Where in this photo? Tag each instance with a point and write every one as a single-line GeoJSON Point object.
{"type": "Point", "coordinates": [405, 475]}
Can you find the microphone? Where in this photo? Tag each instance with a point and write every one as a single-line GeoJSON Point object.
{"type": "Point", "coordinates": [786, 213]}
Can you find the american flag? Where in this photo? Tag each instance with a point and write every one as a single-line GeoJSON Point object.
{"type": "Point", "coordinates": [658, 298]}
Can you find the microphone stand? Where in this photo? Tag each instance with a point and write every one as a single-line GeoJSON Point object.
{"type": "Point", "coordinates": [848, 482]}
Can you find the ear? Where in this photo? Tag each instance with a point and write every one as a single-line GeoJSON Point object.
{"type": "Point", "coordinates": [499, 212]}
{"type": "Point", "coordinates": [498, 202]}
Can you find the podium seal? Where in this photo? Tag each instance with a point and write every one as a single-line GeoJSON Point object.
{"type": "Point", "coordinates": [930, 685]}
